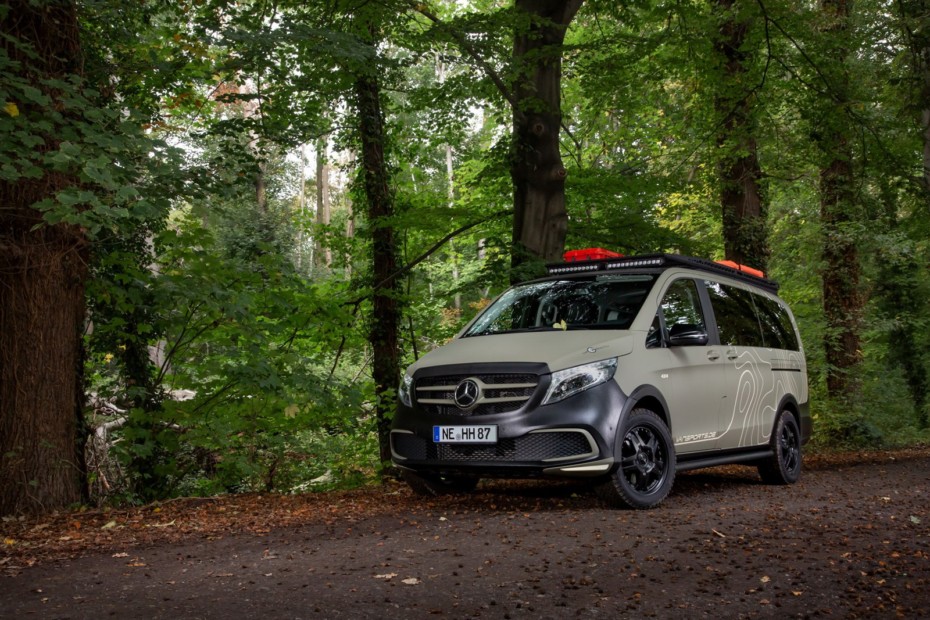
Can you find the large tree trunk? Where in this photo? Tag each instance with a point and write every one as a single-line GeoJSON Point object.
{"type": "Point", "coordinates": [540, 219]}
{"type": "Point", "coordinates": [745, 237]}
{"type": "Point", "coordinates": [42, 275]}
{"type": "Point", "coordinates": [902, 301]}
{"type": "Point", "coordinates": [842, 299]}
{"type": "Point", "coordinates": [385, 322]}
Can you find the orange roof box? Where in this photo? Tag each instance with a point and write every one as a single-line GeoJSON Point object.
{"type": "Point", "coordinates": [741, 268]}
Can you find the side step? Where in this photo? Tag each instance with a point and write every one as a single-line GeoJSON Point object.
{"type": "Point", "coordinates": [723, 459]}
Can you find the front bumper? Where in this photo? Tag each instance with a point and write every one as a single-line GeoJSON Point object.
{"type": "Point", "coordinates": [573, 437]}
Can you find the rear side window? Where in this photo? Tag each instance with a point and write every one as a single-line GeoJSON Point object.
{"type": "Point", "coordinates": [735, 311]}
{"type": "Point", "coordinates": [746, 319]}
{"type": "Point", "coordinates": [777, 329]}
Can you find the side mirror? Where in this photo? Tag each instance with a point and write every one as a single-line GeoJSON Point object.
{"type": "Point", "coordinates": [687, 335]}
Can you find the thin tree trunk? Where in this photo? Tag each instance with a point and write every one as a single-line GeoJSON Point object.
{"type": "Point", "coordinates": [540, 220]}
{"type": "Point", "coordinates": [385, 325]}
{"type": "Point", "coordinates": [42, 275]}
{"type": "Point", "coordinates": [323, 209]}
{"type": "Point", "coordinates": [301, 207]}
{"type": "Point", "coordinates": [261, 196]}
{"type": "Point", "coordinates": [350, 219]}
{"type": "Point", "coordinates": [921, 45]}
{"type": "Point", "coordinates": [457, 300]}
{"type": "Point", "coordinates": [745, 236]}
{"type": "Point", "coordinates": [925, 121]}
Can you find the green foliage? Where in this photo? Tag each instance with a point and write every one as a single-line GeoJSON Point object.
{"type": "Point", "coordinates": [188, 109]}
{"type": "Point", "coordinates": [123, 175]}
{"type": "Point", "coordinates": [252, 342]}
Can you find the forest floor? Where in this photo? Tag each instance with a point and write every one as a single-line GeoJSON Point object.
{"type": "Point", "coordinates": [850, 540]}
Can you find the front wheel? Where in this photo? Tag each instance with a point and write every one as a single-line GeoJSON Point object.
{"type": "Point", "coordinates": [646, 469]}
{"type": "Point", "coordinates": [784, 466]}
{"type": "Point", "coordinates": [432, 485]}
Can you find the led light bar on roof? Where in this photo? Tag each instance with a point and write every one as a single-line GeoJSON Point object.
{"type": "Point", "coordinates": [557, 269]}
{"type": "Point", "coordinates": [637, 262]}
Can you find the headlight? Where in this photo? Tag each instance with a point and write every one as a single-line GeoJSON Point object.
{"type": "Point", "coordinates": [403, 391]}
{"type": "Point", "coordinates": [570, 381]}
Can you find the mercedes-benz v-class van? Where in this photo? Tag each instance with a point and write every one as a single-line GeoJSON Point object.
{"type": "Point", "coordinates": [621, 369]}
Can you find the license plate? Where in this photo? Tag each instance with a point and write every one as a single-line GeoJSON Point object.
{"type": "Point", "coordinates": [473, 433]}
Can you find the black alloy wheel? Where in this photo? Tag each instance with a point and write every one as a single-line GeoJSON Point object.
{"type": "Point", "coordinates": [646, 468]}
{"type": "Point", "coordinates": [784, 466]}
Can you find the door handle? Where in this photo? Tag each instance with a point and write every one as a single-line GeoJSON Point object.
{"type": "Point", "coordinates": [732, 354]}
{"type": "Point", "coordinates": [712, 355]}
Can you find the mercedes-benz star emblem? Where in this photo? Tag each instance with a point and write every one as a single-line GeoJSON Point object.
{"type": "Point", "coordinates": [467, 393]}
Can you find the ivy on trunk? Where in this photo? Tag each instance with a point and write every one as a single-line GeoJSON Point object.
{"type": "Point", "coordinates": [42, 274]}
{"type": "Point", "coordinates": [385, 319]}
{"type": "Point", "coordinates": [745, 236]}
{"type": "Point", "coordinates": [540, 219]}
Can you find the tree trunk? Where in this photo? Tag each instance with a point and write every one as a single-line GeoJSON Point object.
{"type": "Point", "coordinates": [540, 219]}
{"type": "Point", "coordinates": [903, 301]}
{"type": "Point", "coordinates": [457, 299]}
{"type": "Point", "coordinates": [914, 16]}
{"type": "Point", "coordinates": [261, 196]}
{"type": "Point", "coordinates": [925, 122]}
{"type": "Point", "coordinates": [323, 212]}
{"type": "Point", "coordinates": [42, 275]}
{"type": "Point", "coordinates": [385, 322]}
{"type": "Point", "coordinates": [920, 42]}
{"type": "Point", "coordinates": [745, 236]}
{"type": "Point", "coordinates": [842, 300]}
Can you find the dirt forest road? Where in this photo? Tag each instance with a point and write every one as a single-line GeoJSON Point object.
{"type": "Point", "coordinates": [850, 540]}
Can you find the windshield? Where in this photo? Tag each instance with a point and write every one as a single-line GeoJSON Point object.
{"type": "Point", "coordinates": [604, 302]}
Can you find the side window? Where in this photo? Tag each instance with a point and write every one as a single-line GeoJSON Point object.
{"type": "Point", "coordinates": [735, 312]}
{"type": "Point", "coordinates": [680, 306]}
{"type": "Point", "coordinates": [777, 330]}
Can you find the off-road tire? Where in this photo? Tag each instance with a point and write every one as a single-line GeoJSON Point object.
{"type": "Point", "coordinates": [645, 470]}
{"type": "Point", "coordinates": [784, 466]}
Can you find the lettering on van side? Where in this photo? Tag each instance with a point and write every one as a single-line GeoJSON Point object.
{"type": "Point", "coordinates": [696, 437]}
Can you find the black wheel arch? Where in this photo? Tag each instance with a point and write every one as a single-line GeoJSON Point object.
{"type": "Point", "coordinates": [643, 397]}
{"type": "Point", "coordinates": [647, 397]}
{"type": "Point", "coordinates": [790, 404]}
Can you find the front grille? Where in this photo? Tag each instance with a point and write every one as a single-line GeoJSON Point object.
{"type": "Point", "coordinates": [534, 447]}
{"type": "Point", "coordinates": [500, 393]}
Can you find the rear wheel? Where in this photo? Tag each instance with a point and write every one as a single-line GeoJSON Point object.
{"type": "Point", "coordinates": [646, 458]}
{"type": "Point", "coordinates": [432, 485]}
{"type": "Point", "coordinates": [784, 466]}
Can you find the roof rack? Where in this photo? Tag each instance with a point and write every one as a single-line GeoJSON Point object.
{"type": "Point", "coordinates": [664, 261]}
